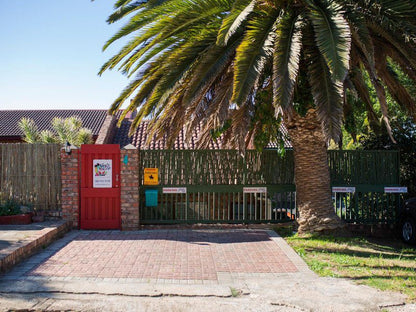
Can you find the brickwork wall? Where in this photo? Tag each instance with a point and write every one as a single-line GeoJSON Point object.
{"type": "Point", "coordinates": [129, 188]}
{"type": "Point", "coordinates": [107, 131]}
{"type": "Point", "coordinates": [70, 186]}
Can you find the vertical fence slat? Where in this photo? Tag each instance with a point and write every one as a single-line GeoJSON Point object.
{"type": "Point", "coordinates": [205, 170]}
{"type": "Point", "coordinates": [31, 175]}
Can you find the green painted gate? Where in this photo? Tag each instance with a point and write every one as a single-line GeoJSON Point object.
{"type": "Point", "coordinates": [221, 186]}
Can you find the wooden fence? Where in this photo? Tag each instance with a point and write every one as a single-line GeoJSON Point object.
{"type": "Point", "coordinates": [222, 186]}
{"type": "Point", "coordinates": [31, 175]}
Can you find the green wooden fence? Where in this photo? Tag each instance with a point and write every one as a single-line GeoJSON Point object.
{"type": "Point", "coordinates": [364, 168]}
{"type": "Point", "coordinates": [224, 186]}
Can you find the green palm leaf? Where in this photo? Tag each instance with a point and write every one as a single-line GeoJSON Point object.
{"type": "Point", "coordinates": [234, 21]}
{"type": "Point", "coordinates": [327, 92]}
{"type": "Point", "coordinates": [215, 59]}
{"type": "Point", "coordinates": [123, 11]}
{"type": "Point", "coordinates": [251, 55]}
{"type": "Point", "coordinates": [332, 35]}
{"type": "Point", "coordinates": [286, 59]}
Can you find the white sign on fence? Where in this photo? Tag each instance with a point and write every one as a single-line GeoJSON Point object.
{"type": "Point", "coordinates": [254, 189]}
{"type": "Point", "coordinates": [395, 189]}
{"type": "Point", "coordinates": [343, 189]}
{"type": "Point", "coordinates": [102, 173]}
{"type": "Point", "coordinates": [174, 190]}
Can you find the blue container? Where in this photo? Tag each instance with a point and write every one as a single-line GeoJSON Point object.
{"type": "Point", "coordinates": [151, 198]}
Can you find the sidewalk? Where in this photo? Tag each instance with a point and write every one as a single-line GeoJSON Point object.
{"type": "Point", "coordinates": [18, 242]}
{"type": "Point", "coordinates": [180, 270]}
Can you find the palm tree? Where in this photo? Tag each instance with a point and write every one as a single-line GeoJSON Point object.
{"type": "Point", "coordinates": [64, 130]}
{"type": "Point", "coordinates": [241, 66]}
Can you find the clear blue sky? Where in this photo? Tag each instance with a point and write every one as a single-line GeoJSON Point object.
{"type": "Point", "coordinates": [51, 51]}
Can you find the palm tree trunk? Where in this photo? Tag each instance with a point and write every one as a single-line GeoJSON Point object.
{"type": "Point", "coordinates": [312, 179]}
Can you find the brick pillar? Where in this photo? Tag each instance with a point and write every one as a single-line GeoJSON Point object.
{"type": "Point", "coordinates": [70, 186]}
{"type": "Point", "coordinates": [107, 131]}
{"type": "Point", "coordinates": [129, 188]}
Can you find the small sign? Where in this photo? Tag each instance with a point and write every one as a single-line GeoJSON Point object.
{"type": "Point", "coordinates": [151, 176]}
{"type": "Point", "coordinates": [102, 173]}
{"type": "Point", "coordinates": [395, 189]}
{"type": "Point", "coordinates": [254, 189]}
{"type": "Point", "coordinates": [343, 189]}
{"type": "Point", "coordinates": [174, 190]}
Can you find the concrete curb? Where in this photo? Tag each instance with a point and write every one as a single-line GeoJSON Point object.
{"type": "Point", "coordinates": [13, 255]}
{"type": "Point", "coordinates": [290, 253]}
{"type": "Point", "coordinates": [110, 287]}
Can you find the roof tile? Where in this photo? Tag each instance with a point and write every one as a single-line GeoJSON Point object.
{"type": "Point", "coordinates": [140, 136]}
{"type": "Point", "coordinates": [91, 119]}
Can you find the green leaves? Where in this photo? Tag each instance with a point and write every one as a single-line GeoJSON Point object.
{"type": "Point", "coordinates": [202, 62]}
{"type": "Point", "coordinates": [326, 91]}
{"type": "Point", "coordinates": [332, 35]}
{"type": "Point", "coordinates": [64, 130]}
{"type": "Point", "coordinates": [251, 56]}
{"type": "Point", "coordinates": [30, 130]}
{"type": "Point", "coordinates": [235, 20]}
{"type": "Point", "coordinates": [286, 59]}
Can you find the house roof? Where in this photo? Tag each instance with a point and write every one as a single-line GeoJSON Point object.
{"type": "Point", "coordinates": [91, 119]}
{"type": "Point", "coordinates": [140, 136]}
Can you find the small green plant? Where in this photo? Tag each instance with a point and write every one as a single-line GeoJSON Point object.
{"type": "Point", "coordinates": [10, 208]}
{"type": "Point", "coordinates": [235, 292]}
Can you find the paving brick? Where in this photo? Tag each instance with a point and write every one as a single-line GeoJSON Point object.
{"type": "Point", "coordinates": [183, 255]}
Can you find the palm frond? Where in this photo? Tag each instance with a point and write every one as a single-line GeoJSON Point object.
{"type": "Point", "coordinates": [234, 20]}
{"type": "Point", "coordinates": [327, 91]}
{"type": "Point", "coordinates": [124, 10]}
{"type": "Point", "coordinates": [360, 35]}
{"type": "Point", "coordinates": [251, 55]}
{"type": "Point", "coordinates": [46, 136]}
{"type": "Point", "coordinates": [30, 130]}
{"type": "Point", "coordinates": [143, 82]}
{"type": "Point", "coordinates": [208, 69]}
{"type": "Point", "coordinates": [286, 60]}
{"type": "Point", "coordinates": [144, 56]}
{"type": "Point", "coordinates": [395, 16]}
{"type": "Point", "coordinates": [84, 136]}
{"type": "Point", "coordinates": [332, 35]}
{"type": "Point", "coordinates": [396, 89]}
{"type": "Point", "coordinates": [360, 86]}
{"type": "Point", "coordinates": [125, 50]}
{"type": "Point", "coordinates": [215, 112]}
{"type": "Point", "coordinates": [406, 49]}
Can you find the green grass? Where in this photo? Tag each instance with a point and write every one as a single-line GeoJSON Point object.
{"type": "Point", "coordinates": [386, 264]}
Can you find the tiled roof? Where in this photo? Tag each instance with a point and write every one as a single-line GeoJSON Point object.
{"type": "Point", "coordinates": [139, 138]}
{"type": "Point", "coordinates": [91, 119]}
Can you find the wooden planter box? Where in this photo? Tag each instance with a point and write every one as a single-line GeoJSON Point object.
{"type": "Point", "coordinates": [25, 218]}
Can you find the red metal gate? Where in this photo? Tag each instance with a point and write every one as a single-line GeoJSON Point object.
{"type": "Point", "coordinates": [100, 187]}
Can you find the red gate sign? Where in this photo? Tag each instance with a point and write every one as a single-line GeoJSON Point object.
{"type": "Point", "coordinates": [100, 191]}
{"type": "Point", "coordinates": [102, 173]}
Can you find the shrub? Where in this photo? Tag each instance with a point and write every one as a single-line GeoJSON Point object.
{"type": "Point", "coordinates": [10, 208]}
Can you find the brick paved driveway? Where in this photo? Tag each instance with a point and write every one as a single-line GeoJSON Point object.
{"type": "Point", "coordinates": [166, 254]}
